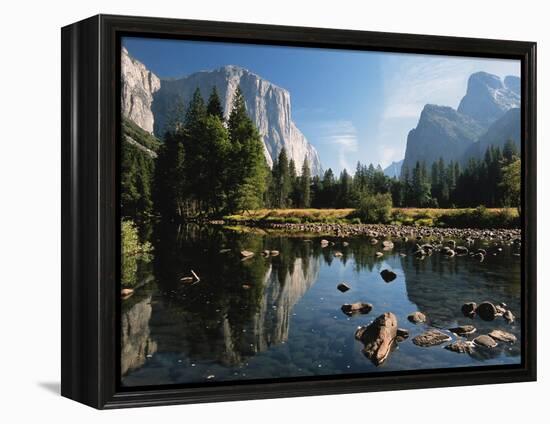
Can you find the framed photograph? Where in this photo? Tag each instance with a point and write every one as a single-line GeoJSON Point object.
{"type": "Point", "coordinates": [254, 211]}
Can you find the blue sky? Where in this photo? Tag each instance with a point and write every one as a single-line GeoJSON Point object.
{"type": "Point", "coordinates": [350, 105]}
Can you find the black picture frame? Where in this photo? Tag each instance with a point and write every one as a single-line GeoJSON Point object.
{"type": "Point", "coordinates": [90, 253]}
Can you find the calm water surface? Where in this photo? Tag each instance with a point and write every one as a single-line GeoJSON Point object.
{"type": "Point", "coordinates": [280, 316]}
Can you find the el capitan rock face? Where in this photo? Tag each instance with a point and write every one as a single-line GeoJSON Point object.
{"type": "Point", "coordinates": [488, 98]}
{"type": "Point", "coordinates": [148, 101]}
{"type": "Point", "coordinates": [441, 132]}
{"type": "Point", "coordinates": [138, 87]}
{"type": "Point", "coordinates": [268, 105]}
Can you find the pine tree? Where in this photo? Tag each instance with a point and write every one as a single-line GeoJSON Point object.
{"type": "Point", "coordinates": [247, 178]}
{"type": "Point", "coordinates": [420, 186]}
{"type": "Point", "coordinates": [238, 115]}
{"type": "Point", "coordinates": [344, 190]}
{"type": "Point", "coordinates": [175, 117]}
{"type": "Point", "coordinates": [282, 180]}
{"type": "Point", "coordinates": [214, 107]}
{"type": "Point", "coordinates": [196, 151]}
{"type": "Point", "coordinates": [316, 191]}
{"type": "Point", "coordinates": [305, 189]}
{"type": "Point", "coordinates": [293, 182]}
{"type": "Point", "coordinates": [328, 191]}
{"type": "Point", "coordinates": [170, 187]}
{"type": "Point", "coordinates": [510, 151]}
{"type": "Point", "coordinates": [443, 184]}
{"type": "Point", "coordinates": [407, 194]}
{"type": "Point", "coordinates": [217, 149]}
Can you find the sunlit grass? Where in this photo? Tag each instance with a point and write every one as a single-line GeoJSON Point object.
{"type": "Point", "coordinates": [460, 217]}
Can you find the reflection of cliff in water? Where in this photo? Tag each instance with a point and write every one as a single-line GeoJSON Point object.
{"type": "Point", "coordinates": [439, 285]}
{"type": "Point", "coordinates": [227, 324]}
{"type": "Point", "coordinates": [135, 334]}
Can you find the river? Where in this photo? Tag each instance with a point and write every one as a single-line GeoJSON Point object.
{"type": "Point", "coordinates": [280, 316]}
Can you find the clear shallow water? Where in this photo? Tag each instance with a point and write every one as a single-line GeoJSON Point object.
{"type": "Point", "coordinates": [280, 316]}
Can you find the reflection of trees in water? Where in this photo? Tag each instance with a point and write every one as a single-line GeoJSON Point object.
{"type": "Point", "coordinates": [239, 307]}
{"type": "Point", "coordinates": [439, 285]}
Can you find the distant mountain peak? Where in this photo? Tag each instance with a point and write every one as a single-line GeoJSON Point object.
{"type": "Point", "coordinates": [513, 83]}
{"type": "Point", "coordinates": [441, 132]}
{"type": "Point", "coordinates": [393, 170]}
{"type": "Point", "coordinates": [488, 98]}
{"type": "Point", "coordinates": [488, 114]}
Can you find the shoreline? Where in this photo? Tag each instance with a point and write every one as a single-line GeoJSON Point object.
{"type": "Point", "coordinates": [388, 231]}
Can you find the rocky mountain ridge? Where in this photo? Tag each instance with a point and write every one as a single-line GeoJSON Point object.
{"type": "Point", "coordinates": [488, 114]}
{"type": "Point", "coordinates": [149, 104]}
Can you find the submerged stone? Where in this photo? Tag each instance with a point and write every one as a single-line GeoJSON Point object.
{"type": "Point", "coordinates": [503, 336]}
{"type": "Point", "coordinates": [469, 309]}
{"type": "Point", "coordinates": [461, 346]}
{"type": "Point", "coordinates": [487, 311]}
{"type": "Point", "coordinates": [431, 337]}
{"type": "Point", "coordinates": [417, 317]}
{"type": "Point", "coordinates": [402, 334]}
{"type": "Point", "coordinates": [463, 330]}
{"type": "Point", "coordinates": [509, 316]}
{"type": "Point", "coordinates": [485, 341]}
{"type": "Point", "coordinates": [356, 308]}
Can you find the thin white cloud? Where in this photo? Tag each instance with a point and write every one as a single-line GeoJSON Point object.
{"type": "Point", "coordinates": [340, 135]}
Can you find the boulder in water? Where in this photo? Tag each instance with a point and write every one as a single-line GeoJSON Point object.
{"type": "Point", "coordinates": [402, 334]}
{"type": "Point", "coordinates": [461, 346]}
{"type": "Point", "coordinates": [469, 309]}
{"type": "Point", "coordinates": [356, 308]}
{"type": "Point", "coordinates": [509, 316]}
{"type": "Point", "coordinates": [487, 311]}
{"type": "Point", "coordinates": [388, 275]}
{"type": "Point", "coordinates": [431, 337]}
{"type": "Point", "coordinates": [417, 317]}
{"type": "Point", "coordinates": [463, 330]}
{"type": "Point", "coordinates": [485, 341]}
{"type": "Point", "coordinates": [343, 287]}
{"type": "Point", "coordinates": [503, 336]}
{"type": "Point", "coordinates": [378, 337]}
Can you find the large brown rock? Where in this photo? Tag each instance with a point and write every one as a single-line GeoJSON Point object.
{"type": "Point", "coordinates": [463, 330]}
{"type": "Point", "coordinates": [469, 309]}
{"type": "Point", "coordinates": [485, 341]}
{"type": "Point", "coordinates": [378, 337]}
{"type": "Point", "coordinates": [503, 336]}
{"type": "Point", "coordinates": [356, 308]}
{"type": "Point", "coordinates": [431, 337]}
{"type": "Point", "coordinates": [509, 316]}
{"type": "Point", "coordinates": [461, 346]}
{"type": "Point", "coordinates": [417, 317]}
{"type": "Point", "coordinates": [487, 311]}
